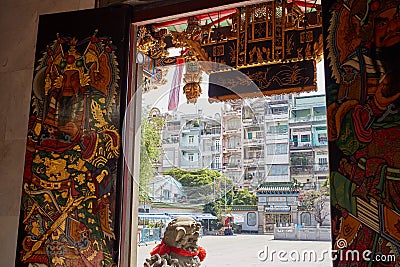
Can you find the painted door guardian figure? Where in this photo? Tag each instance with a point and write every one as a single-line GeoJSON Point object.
{"type": "Point", "coordinates": [364, 132]}
{"type": "Point", "coordinates": [71, 156]}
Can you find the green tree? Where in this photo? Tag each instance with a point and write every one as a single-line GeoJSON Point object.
{"type": "Point", "coordinates": [240, 197]}
{"type": "Point", "coordinates": [150, 152]}
{"type": "Point", "coordinates": [196, 177]}
{"type": "Point", "coordinates": [244, 197]}
{"type": "Point", "coordinates": [214, 207]}
{"type": "Point", "coordinates": [316, 201]}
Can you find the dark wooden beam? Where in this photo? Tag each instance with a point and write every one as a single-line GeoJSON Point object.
{"type": "Point", "coordinates": [104, 3]}
{"type": "Point", "coordinates": [146, 14]}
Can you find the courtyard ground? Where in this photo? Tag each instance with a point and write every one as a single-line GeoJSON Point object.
{"type": "Point", "coordinates": [252, 250]}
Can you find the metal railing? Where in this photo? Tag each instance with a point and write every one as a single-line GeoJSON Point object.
{"type": "Point", "coordinates": [149, 235]}
{"type": "Point", "coordinates": [295, 232]}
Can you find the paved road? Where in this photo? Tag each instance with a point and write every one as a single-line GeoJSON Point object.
{"type": "Point", "coordinates": [242, 251]}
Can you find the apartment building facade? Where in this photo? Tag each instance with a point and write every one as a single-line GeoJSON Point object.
{"type": "Point", "coordinates": [191, 141]}
{"type": "Point", "coordinates": [256, 141]}
{"type": "Point", "coordinates": [273, 146]}
{"type": "Point", "coordinates": [275, 139]}
{"type": "Point", "coordinates": [308, 140]}
{"type": "Point", "coordinates": [232, 140]}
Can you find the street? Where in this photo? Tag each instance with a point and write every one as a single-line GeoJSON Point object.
{"type": "Point", "coordinates": [244, 251]}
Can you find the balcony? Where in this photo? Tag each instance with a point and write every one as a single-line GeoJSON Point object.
{"type": "Point", "coordinates": [248, 121]}
{"type": "Point", "coordinates": [277, 136]}
{"type": "Point", "coordinates": [300, 146]}
{"type": "Point", "coordinates": [321, 168]}
{"type": "Point", "coordinates": [232, 130]}
{"type": "Point", "coordinates": [253, 153]}
{"type": "Point", "coordinates": [276, 117]}
{"type": "Point", "coordinates": [211, 132]}
{"type": "Point", "coordinates": [232, 113]}
{"type": "Point", "coordinates": [172, 129]}
{"type": "Point", "coordinates": [231, 146]}
{"type": "Point", "coordinates": [231, 166]}
{"type": "Point", "coordinates": [190, 147]}
{"type": "Point", "coordinates": [254, 141]}
{"type": "Point", "coordinates": [300, 119]}
{"type": "Point", "coordinates": [320, 118]}
{"type": "Point", "coordinates": [191, 129]}
{"type": "Point", "coordinates": [307, 119]}
{"type": "Point", "coordinates": [232, 150]}
{"type": "Point", "coordinates": [255, 163]}
{"type": "Point", "coordinates": [301, 170]}
{"type": "Point", "coordinates": [215, 166]}
{"type": "Point", "coordinates": [248, 161]}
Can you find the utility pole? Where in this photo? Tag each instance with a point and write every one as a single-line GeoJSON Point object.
{"type": "Point", "coordinates": [225, 195]}
{"type": "Point", "coordinates": [214, 190]}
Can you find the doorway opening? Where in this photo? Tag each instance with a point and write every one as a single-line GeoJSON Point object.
{"type": "Point", "coordinates": [240, 162]}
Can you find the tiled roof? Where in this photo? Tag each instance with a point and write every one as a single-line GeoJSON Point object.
{"type": "Point", "coordinates": [244, 207]}
{"type": "Point", "coordinates": [277, 188]}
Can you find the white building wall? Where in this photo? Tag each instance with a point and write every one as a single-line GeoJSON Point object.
{"type": "Point", "coordinates": [277, 159]}
{"type": "Point", "coordinates": [246, 220]}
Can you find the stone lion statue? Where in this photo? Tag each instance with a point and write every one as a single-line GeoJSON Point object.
{"type": "Point", "coordinates": [179, 246]}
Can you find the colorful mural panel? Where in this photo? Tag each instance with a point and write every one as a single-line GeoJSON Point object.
{"type": "Point", "coordinates": [362, 81]}
{"type": "Point", "coordinates": [70, 197]}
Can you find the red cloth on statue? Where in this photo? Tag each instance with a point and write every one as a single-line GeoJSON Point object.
{"type": "Point", "coordinates": [163, 248]}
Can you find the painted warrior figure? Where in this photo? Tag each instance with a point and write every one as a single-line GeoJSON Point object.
{"type": "Point", "coordinates": [363, 118]}
{"type": "Point", "coordinates": [71, 156]}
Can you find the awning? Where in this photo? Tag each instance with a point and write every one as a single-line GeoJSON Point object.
{"type": "Point", "coordinates": [206, 216]}
{"type": "Point", "coordinates": [153, 216]}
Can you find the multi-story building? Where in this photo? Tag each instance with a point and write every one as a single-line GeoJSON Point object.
{"type": "Point", "coordinates": [273, 145]}
{"type": "Point", "coordinates": [256, 141]}
{"type": "Point", "coordinates": [210, 142]}
{"type": "Point", "coordinates": [277, 139]}
{"type": "Point", "coordinates": [232, 149]}
{"type": "Point", "coordinates": [253, 142]}
{"type": "Point", "coordinates": [308, 140]}
{"type": "Point", "coordinates": [170, 143]}
{"type": "Point", "coordinates": [191, 141]}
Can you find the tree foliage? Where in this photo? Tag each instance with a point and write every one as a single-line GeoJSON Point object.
{"type": "Point", "coordinates": [150, 152]}
{"type": "Point", "coordinates": [214, 207]}
{"type": "Point", "coordinates": [198, 177]}
{"type": "Point", "coordinates": [151, 137]}
{"type": "Point", "coordinates": [244, 197]}
{"type": "Point", "coordinates": [316, 201]}
{"type": "Point", "coordinates": [233, 197]}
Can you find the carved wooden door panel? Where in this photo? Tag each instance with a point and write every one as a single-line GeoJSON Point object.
{"type": "Point", "coordinates": [71, 203]}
